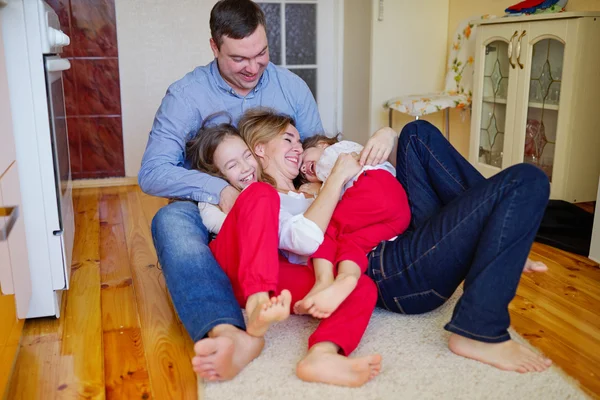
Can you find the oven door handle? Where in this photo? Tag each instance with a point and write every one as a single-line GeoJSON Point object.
{"type": "Point", "coordinates": [57, 65]}
{"type": "Point", "coordinates": [10, 214]}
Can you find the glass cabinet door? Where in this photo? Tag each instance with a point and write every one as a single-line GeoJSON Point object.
{"type": "Point", "coordinates": [493, 108]}
{"type": "Point", "coordinates": [544, 101]}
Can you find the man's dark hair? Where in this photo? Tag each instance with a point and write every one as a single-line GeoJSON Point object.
{"type": "Point", "coordinates": [236, 19]}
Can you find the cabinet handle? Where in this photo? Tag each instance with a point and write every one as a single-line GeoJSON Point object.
{"type": "Point", "coordinates": [510, 49]}
{"type": "Point", "coordinates": [10, 215]}
{"type": "Point", "coordinates": [519, 49]}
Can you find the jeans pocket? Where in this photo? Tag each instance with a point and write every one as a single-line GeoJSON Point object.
{"type": "Point", "coordinates": [419, 303]}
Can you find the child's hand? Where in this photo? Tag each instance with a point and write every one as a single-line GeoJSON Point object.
{"type": "Point", "coordinates": [379, 147]}
{"type": "Point", "coordinates": [228, 196]}
{"type": "Point", "coordinates": [311, 188]}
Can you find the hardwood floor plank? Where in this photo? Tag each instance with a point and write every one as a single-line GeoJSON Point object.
{"type": "Point", "coordinates": [36, 372]}
{"type": "Point", "coordinates": [126, 370]}
{"type": "Point", "coordinates": [125, 365]}
{"type": "Point", "coordinates": [566, 354]}
{"type": "Point", "coordinates": [167, 349]}
{"type": "Point", "coordinates": [81, 371]}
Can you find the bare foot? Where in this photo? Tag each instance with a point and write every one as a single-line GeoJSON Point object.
{"type": "Point", "coordinates": [534, 266]}
{"type": "Point", "coordinates": [324, 303]}
{"type": "Point", "coordinates": [300, 307]}
{"type": "Point", "coordinates": [264, 314]}
{"type": "Point", "coordinates": [333, 368]}
{"type": "Point", "coordinates": [223, 355]}
{"type": "Point", "coordinates": [507, 356]}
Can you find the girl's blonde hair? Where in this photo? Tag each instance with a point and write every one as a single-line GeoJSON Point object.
{"type": "Point", "coordinates": [260, 126]}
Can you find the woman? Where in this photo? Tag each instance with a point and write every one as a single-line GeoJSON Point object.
{"type": "Point", "coordinates": [463, 228]}
{"type": "Point", "coordinates": [263, 222]}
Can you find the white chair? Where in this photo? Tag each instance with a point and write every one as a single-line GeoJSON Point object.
{"type": "Point", "coordinates": [459, 81]}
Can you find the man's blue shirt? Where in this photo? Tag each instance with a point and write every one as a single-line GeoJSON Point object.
{"type": "Point", "coordinates": [197, 95]}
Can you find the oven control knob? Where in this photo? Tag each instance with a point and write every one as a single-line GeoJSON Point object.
{"type": "Point", "coordinates": [57, 38]}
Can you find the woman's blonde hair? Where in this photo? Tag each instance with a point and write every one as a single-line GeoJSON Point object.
{"type": "Point", "coordinates": [260, 126]}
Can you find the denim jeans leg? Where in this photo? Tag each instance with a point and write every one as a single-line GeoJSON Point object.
{"type": "Point", "coordinates": [199, 288]}
{"type": "Point", "coordinates": [432, 172]}
{"type": "Point", "coordinates": [482, 237]}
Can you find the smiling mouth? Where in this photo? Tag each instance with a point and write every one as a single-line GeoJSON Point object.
{"type": "Point", "coordinates": [293, 160]}
{"type": "Point", "coordinates": [250, 178]}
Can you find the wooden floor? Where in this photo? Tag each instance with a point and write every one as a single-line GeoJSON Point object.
{"type": "Point", "coordinates": [119, 338]}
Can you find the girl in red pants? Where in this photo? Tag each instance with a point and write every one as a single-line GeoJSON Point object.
{"type": "Point", "coordinates": [264, 224]}
{"type": "Point", "coordinates": [373, 208]}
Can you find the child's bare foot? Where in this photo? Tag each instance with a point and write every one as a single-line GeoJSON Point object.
{"type": "Point", "coordinates": [264, 314]}
{"type": "Point", "coordinates": [300, 307]}
{"type": "Point", "coordinates": [324, 303]}
{"type": "Point", "coordinates": [534, 266]}
{"type": "Point", "coordinates": [225, 353]}
{"type": "Point", "coordinates": [326, 366]}
{"type": "Point", "coordinates": [507, 356]}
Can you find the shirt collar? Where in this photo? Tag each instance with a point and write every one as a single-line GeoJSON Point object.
{"type": "Point", "coordinates": [222, 84]}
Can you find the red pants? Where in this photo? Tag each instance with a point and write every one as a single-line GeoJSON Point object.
{"type": "Point", "coordinates": [247, 250]}
{"type": "Point", "coordinates": [374, 209]}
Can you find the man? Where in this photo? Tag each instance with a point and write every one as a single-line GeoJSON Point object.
{"type": "Point", "coordinates": [240, 77]}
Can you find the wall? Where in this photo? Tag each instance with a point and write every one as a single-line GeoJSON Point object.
{"type": "Point", "coordinates": [462, 9]}
{"type": "Point", "coordinates": [356, 70]}
{"type": "Point", "coordinates": [408, 54]}
{"type": "Point", "coordinates": [159, 43]}
{"type": "Point", "coordinates": [92, 95]}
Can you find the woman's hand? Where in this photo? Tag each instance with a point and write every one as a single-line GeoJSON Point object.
{"type": "Point", "coordinates": [311, 188]}
{"type": "Point", "coordinates": [345, 168]}
{"type": "Point", "coordinates": [379, 147]}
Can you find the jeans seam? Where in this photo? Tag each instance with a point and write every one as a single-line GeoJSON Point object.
{"type": "Point", "coordinates": [506, 218]}
{"type": "Point", "coordinates": [474, 334]}
{"type": "Point", "coordinates": [447, 234]}
{"type": "Point", "coordinates": [422, 293]}
{"type": "Point", "coordinates": [436, 159]}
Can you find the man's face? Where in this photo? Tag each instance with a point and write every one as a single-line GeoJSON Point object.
{"type": "Point", "coordinates": [242, 61]}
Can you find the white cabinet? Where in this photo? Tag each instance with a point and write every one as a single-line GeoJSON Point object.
{"type": "Point", "coordinates": [536, 98]}
{"type": "Point", "coordinates": [14, 264]}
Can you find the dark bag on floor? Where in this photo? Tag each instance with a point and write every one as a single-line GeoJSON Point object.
{"type": "Point", "coordinates": [567, 227]}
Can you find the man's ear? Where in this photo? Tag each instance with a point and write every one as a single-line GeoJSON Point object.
{"type": "Point", "coordinates": [214, 47]}
{"type": "Point", "coordinates": [259, 150]}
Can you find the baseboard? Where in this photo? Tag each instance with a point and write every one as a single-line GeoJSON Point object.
{"type": "Point", "coordinates": [105, 182]}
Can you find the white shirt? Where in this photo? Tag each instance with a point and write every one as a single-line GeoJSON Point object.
{"type": "Point", "coordinates": [330, 155]}
{"type": "Point", "coordinates": [299, 237]}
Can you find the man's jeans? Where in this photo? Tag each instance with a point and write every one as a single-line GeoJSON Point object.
{"type": "Point", "coordinates": [463, 227]}
{"type": "Point", "coordinates": [200, 290]}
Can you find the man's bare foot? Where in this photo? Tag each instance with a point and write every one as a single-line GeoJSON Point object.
{"type": "Point", "coordinates": [225, 353]}
{"type": "Point", "coordinates": [507, 356]}
{"type": "Point", "coordinates": [261, 316]}
{"type": "Point", "coordinates": [534, 266]}
{"type": "Point", "coordinates": [320, 285]}
{"type": "Point", "coordinates": [321, 364]}
{"type": "Point", "coordinates": [324, 303]}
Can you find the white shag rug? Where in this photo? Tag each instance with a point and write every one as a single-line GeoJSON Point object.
{"type": "Point", "coordinates": [417, 364]}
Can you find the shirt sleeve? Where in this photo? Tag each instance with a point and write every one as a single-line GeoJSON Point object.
{"type": "Point", "coordinates": [308, 120]}
{"type": "Point", "coordinates": [162, 172]}
{"type": "Point", "coordinates": [298, 234]}
{"type": "Point", "coordinates": [212, 217]}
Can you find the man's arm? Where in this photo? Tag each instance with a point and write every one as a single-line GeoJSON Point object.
{"type": "Point", "coordinates": [162, 172]}
{"type": "Point", "coordinates": [308, 120]}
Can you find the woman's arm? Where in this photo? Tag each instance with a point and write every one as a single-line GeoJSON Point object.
{"type": "Point", "coordinates": [321, 210]}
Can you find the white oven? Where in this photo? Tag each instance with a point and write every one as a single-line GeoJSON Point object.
{"type": "Point", "coordinates": [33, 42]}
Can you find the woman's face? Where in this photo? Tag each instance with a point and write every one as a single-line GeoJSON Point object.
{"type": "Point", "coordinates": [282, 155]}
{"type": "Point", "coordinates": [235, 161]}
